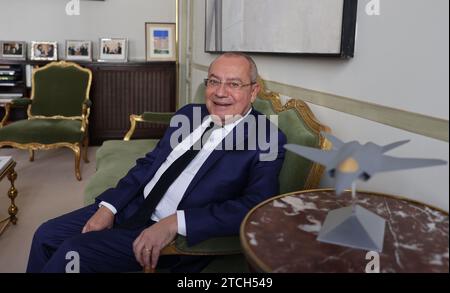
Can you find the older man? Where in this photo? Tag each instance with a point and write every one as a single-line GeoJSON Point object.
{"type": "Point", "coordinates": [199, 181]}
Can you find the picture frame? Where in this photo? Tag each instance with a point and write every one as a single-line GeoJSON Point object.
{"type": "Point", "coordinates": [307, 28]}
{"type": "Point", "coordinates": [160, 41]}
{"type": "Point", "coordinates": [13, 50]}
{"type": "Point", "coordinates": [77, 50]}
{"type": "Point", "coordinates": [44, 50]}
{"type": "Point", "coordinates": [113, 50]}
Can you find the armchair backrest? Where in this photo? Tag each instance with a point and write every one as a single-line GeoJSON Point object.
{"type": "Point", "coordinates": [300, 126]}
{"type": "Point", "coordinates": [59, 89]}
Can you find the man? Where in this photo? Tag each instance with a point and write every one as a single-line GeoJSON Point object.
{"type": "Point", "coordinates": [204, 196]}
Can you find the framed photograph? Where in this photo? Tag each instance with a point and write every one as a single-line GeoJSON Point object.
{"type": "Point", "coordinates": [13, 50]}
{"type": "Point", "coordinates": [310, 28]}
{"type": "Point", "coordinates": [113, 50]}
{"type": "Point", "coordinates": [79, 50]}
{"type": "Point", "coordinates": [44, 51]}
{"type": "Point", "coordinates": [160, 41]}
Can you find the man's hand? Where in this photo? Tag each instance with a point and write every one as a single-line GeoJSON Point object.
{"type": "Point", "coordinates": [102, 219]}
{"type": "Point", "coordinates": [151, 241]}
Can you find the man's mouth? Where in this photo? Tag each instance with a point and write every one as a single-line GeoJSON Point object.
{"type": "Point", "coordinates": [222, 104]}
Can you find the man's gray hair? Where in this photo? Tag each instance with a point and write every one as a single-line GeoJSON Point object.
{"type": "Point", "coordinates": [251, 62]}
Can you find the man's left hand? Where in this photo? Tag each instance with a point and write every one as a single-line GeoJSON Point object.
{"type": "Point", "coordinates": [148, 245]}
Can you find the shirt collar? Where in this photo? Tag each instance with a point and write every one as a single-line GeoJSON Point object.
{"type": "Point", "coordinates": [230, 126]}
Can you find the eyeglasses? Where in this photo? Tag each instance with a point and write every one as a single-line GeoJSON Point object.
{"type": "Point", "coordinates": [232, 85]}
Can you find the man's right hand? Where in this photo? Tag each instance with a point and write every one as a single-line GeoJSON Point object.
{"type": "Point", "coordinates": [102, 219]}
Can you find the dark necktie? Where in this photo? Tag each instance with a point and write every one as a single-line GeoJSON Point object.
{"type": "Point", "coordinates": [143, 214]}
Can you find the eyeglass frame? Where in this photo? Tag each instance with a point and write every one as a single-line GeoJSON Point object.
{"type": "Point", "coordinates": [227, 84]}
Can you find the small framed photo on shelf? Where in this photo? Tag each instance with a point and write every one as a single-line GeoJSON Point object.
{"type": "Point", "coordinates": [113, 50]}
{"type": "Point", "coordinates": [14, 50]}
{"type": "Point", "coordinates": [78, 50]}
{"type": "Point", "coordinates": [160, 41]}
{"type": "Point", "coordinates": [44, 51]}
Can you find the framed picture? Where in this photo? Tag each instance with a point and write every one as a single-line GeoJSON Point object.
{"type": "Point", "coordinates": [79, 50]}
{"type": "Point", "coordinates": [13, 50]}
{"type": "Point", "coordinates": [160, 41]}
{"type": "Point", "coordinates": [113, 50]}
{"type": "Point", "coordinates": [309, 28]}
{"type": "Point", "coordinates": [44, 51]}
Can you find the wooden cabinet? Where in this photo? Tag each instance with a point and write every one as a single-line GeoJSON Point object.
{"type": "Point", "coordinates": [121, 89]}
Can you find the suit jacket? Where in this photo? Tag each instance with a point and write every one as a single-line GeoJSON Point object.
{"type": "Point", "coordinates": [226, 187]}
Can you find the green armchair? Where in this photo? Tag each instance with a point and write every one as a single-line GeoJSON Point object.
{"type": "Point", "coordinates": [295, 119]}
{"type": "Point", "coordinates": [58, 112]}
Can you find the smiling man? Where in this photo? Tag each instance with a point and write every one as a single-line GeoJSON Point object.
{"type": "Point", "coordinates": [196, 187]}
{"type": "Point", "coordinates": [231, 86]}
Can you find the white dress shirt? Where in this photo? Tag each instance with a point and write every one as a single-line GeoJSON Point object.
{"type": "Point", "coordinates": [169, 203]}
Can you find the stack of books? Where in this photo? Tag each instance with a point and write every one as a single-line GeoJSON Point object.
{"type": "Point", "coordinates": [9, 75]}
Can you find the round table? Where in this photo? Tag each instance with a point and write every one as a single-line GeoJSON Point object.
{"type": "Point", "coordinates": [279, 235]}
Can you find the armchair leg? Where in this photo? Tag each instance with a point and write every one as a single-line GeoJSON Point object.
{"type": "Point", "coordinates": [76, 150]}
{"type": "Point", "coordinates": [85, 148]}
{"type": "Point", "coordinates": [31, 155]}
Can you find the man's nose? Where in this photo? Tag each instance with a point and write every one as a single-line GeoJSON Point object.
{"type": "Point", "coordinates": [221, 90]}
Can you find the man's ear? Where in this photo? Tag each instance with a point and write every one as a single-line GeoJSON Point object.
{"type": "Point", "coordinates": [255, 91]}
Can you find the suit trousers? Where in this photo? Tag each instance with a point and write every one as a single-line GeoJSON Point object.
{"type": "Point", "coordinates": [56, 242]}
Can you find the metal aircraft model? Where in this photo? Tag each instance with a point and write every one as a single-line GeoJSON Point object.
{"type": "Point", "coordinates": [346, 162]}
{"type": "Point", "coordinates": [355, 226]}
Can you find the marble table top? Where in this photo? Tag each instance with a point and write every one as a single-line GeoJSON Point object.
{"type": "Point", "coordinates": [280, 235]}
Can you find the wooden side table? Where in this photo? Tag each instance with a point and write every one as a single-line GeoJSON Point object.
{"type": "Point", "coordinates": [279, 235]}
{"type": "Point", "coordinates": [12, 194]}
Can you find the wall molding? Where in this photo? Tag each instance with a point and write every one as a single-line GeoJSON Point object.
{"type": "Point", "coordinates": [409, 121]}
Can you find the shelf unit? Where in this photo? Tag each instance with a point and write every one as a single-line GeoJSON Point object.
{"type": "Point", "coordinates": [12, 86]}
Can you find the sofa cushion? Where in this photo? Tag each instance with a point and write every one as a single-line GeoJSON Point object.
{"type": "Point", "coordinates": [113, 160]}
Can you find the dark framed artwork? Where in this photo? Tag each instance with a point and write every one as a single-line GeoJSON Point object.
{"type": "Point", "coordinates": [304, 27]}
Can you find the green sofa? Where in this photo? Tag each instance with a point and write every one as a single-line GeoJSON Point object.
{"type": "Point", "coordinates": [115, 158]}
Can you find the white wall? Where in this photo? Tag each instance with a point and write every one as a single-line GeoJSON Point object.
{"type": "Point", "coordinates": [46, 20]}
{"type": "Point", "coordinates": [401, 61]}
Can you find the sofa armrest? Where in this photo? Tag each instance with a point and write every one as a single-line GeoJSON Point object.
{"type": "Point", "coordinates": [214, 246]}
{"type": "Point", "coordinates": [218, 246]}
{"type": "Point", "coordinates": [154, 117]}
{"type": "Point", "coordinates": [21, 102]}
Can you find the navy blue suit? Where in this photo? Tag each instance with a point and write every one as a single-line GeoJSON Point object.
{"type": "Point", "coordinates": [226, 187]}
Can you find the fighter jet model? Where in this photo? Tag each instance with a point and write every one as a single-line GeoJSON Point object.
{"type": "Point", "coordinates": [355, 226]}
{"type": "Point", "coordinates": [346, 162]}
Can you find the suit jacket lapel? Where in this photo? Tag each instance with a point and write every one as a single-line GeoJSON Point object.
{"type": "Point", "coordinates": [165, 151]}
{"type": "Point", "coordinates": [238, 142]}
